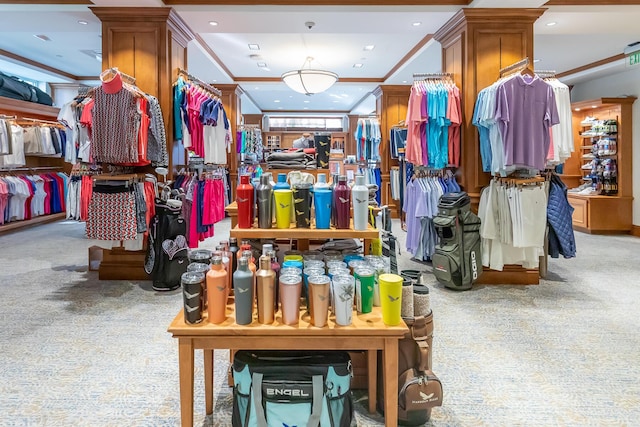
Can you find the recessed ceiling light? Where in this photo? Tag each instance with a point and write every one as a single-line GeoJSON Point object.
{"type": "Point", "coordinates": [253, 46]}
{"type": "Point", "coordinates": [536, 60]}
{"type": "Point", "coordinates": [417, 24]}
{"type": "Point", "coordinates": [369, 47]}
{"type": "Point", "coordinates": [214, 80]}
{"type": "Point", "coordinates": [290, 96]}
{"type": "Point", "coordinates": [280, 108]}
{"type": "Point", "coordinates": [335, 102]}
{"type": "Point", "coordinates": [577, 109]}
{"type": "Point", "coordinates": [42, 37]}
{"type": "Point", "coordinates": [213, 23]}
{"type": "Point", "coordinates": [594, 106]}
{"type": "Point", "coordinates": [276, 100]}
{"type": "Point", "coordinates": [256, 88]}
{"type": "Point", "coordinates": [262, 65]}
{"type": "Point", "coordinates": [305, 108]}
{"type": "Point", "coordinates": [551, 24]}
{"type": "Point", "coordinates": [81, 22]}
{"type": "Point", "coordinates": [358, 65]}
{"type": "Point", "coordinates": [306, 102]}
{"type": "Point", "coordinates": [404, 81]}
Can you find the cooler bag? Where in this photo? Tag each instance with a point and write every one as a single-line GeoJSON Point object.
{"type": "Point", "coordinates": [291, 388]}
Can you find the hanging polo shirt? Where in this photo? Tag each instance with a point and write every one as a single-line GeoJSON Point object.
{"type": "Point", "coordinates": [525, 111]}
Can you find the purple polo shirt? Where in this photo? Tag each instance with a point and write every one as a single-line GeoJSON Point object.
{"type": "Point", "coordinates": [525, 111]}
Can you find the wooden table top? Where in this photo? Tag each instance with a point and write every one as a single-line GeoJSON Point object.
{"type": "Point", "coordinates": [369, 324]}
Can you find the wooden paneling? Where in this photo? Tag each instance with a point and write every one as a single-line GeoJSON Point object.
{"type": "Point", "coordinates": [635, 231]}
{"type": "Point", "coordinates": [476, 44]}
{"type": "Point", "coordinates": [580, 209]}
{"type": "Point", "coordinates": [253, 119]}
{"type": "Point", "coordinates": [391, 108]}
{"type": "Point", "coordinates": [591, 2]}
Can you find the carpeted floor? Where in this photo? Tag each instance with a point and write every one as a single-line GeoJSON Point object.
{"type": "Point", "coordinates": [80, 352]}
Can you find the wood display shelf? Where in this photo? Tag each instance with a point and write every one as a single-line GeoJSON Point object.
{"type": "Point", "coordinates": [601, 214]}
{"type": "Point", "coordinates": [303, 235]}
{"type": "Point", "coordinates": [16, 225]}
{"type": "Point", "coordinates": [367, 332]}
{"type": "Point", "coordinates": [510, 275]}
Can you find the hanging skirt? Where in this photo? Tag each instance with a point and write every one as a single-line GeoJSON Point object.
{"type": "Point", "coordinates": [112, 213]}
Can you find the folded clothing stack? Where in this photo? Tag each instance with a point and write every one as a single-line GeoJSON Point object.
{"type": "Point", "coordinates": [291, 160]}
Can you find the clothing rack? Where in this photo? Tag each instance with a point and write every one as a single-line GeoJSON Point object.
{"type": "Point", "coordinates": [48, 122]}
{"type": "Point", "coordinates": [515, 67]}
{"type": "Point", "coordinates": [200, 82]}
{"type": "Point", "coordinates": [5, 117]}
{"type": "Point", "coordinates": [546, 74]}
{"type": "Point", "coordinates": [522, 181]}
{"type": "Point", "coordinates": [29, 169]}
{"type": "Point", "coordinates": [423, 76]}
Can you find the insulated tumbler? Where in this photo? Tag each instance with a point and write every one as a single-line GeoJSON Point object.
{"type": "Point", "coordinates": [192, 284]}
{"type": "Point", "coordinates": [343, 293]}
{"type": "Point", "coordinates": [391, 298]}
{"type": "Point", "coordinates": [283, 208]}
{"type": "Point", "coordinates": [302, 204]}
{"type": "Point", "coordinates": [364, 288]}
{"type": "Point", "coordinates": [322, 204]}
{"type": "Point", "coordinates": [319, 287]}
{"type": "Point", "coordinates": [290, 289]}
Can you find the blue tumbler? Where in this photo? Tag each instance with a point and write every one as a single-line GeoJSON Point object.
{"type": "Point", "coordinates": [322, 204]}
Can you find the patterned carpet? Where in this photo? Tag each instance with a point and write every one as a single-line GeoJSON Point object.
{"type": "Point", "coordinates": [80, 352]}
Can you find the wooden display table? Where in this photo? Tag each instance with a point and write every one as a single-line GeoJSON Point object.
{"type": "Point", "coordinates": [303, 235]}
{"type": "Point", "coordinates": [367, 332]}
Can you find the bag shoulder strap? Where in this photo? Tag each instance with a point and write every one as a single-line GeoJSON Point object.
{"type": "Point", "coordinates": [256, 386]}
{"type": "Point", "coordinates": [316, 406]}
{"type": "Point", "coordinates": [420, 334]}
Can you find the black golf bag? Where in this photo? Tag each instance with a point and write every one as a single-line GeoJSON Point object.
{"type": "Point", "coordinates": [167, 250]}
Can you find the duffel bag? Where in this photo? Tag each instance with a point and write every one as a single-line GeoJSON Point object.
{"type": "Point", "coordinates": [292, 388]}
{"type": "Point", "coordinates": [11, 87]}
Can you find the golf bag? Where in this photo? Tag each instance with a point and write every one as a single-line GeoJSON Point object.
{"type": "Point", "coordinates": [167, 250]}
{"type": "Point", "coordinates": [457, 261]}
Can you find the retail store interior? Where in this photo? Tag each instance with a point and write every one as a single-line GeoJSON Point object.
{"type": "Point", "coordinates": [95, 318]}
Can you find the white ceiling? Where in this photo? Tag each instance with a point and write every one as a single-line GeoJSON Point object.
{"type": "Point", "coordinates": [582, 35]}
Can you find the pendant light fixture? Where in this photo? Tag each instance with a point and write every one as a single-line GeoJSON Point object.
{"type": "Point", "coordinates": [308, 80]}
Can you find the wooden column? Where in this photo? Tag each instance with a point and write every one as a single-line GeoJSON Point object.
{"type": "Point", "coordinates": [231, 94]}
{"type": "Point", "coordinates": [476, 44]}
{"type": "Point", "coordinates": [350, 145]}
{"type": "Point", "coordinates": [150, 44]}
{"type": "Point", "coordinates": [391, 108]}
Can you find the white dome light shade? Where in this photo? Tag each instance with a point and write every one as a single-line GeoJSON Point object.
{"type": "Point", "coordinates": [309, 81]}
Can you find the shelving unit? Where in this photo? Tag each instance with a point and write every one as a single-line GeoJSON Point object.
{"type": "Point", "coordinates": [35, 163]}
{"type": "Point", "coordinates": [597, 213]}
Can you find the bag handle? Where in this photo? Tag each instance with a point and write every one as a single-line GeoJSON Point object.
{"type": "Point", "coordinates": [420, 334]}
{"type": "Point", "coordinates": [316, 405]}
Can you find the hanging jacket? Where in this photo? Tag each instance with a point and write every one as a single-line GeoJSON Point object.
{"type": "Point", "coordinates": [561, 238]}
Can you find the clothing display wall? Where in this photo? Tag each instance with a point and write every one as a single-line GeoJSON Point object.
{"type": "Point", "coordinates": [422, 194]}
{"type": "Point", "coordinates": [203, 198]}
{"type": "Point", "coordinates": [513, 219]}
{"type": "Point", "coordinates": [368, 138]}
{"type": "Point", "coordinates": [514, 117]}
{"type": "Point", "coordinates": [433, 123]}
{"type": "Point", "coordinates": [118, 211]}
{"type": "Point", "coordinates": [115, 123]}
{"type": "Point", "coordinates": [200, 120]}
{"type": "Point", "coordinates": [24, 196]}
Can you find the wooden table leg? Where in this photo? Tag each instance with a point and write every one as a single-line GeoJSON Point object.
{"type": "Point", "coordinates": [303, 244]}
{"type": "Point", "coordinates": [208, 380]}
{"type": "Point", "coordinates": [372, 373]}
{"type": "Point", "coordinates": [185, 355]}
{"type": "Point", "coordinates": [367, 243]}
{"type": "Point", "coordinates": [390, 372]}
